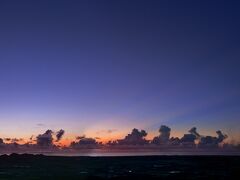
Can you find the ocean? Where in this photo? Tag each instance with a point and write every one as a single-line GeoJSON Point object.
{"type": "Point", "coordinates": [28, 166]}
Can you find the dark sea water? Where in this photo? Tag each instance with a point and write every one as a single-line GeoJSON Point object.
{"type": "Point", "coordinates": [121, 167]}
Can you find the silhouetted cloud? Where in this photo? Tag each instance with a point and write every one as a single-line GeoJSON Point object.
{"type": "Point", "coordinates": [82, 141]}
{"type": "Point", "coordinates": [108, 131]}
{"type": "Point", "coordinates": [59, 135]}
{"type": "Point", "coordinates": [87, 141]}
{"type": "Point", "coordinates": [174, 141]}
{"type": "Point", "coordinates": [208, 141]}
{"type": "Point", "coordinates": [12, 140]}
{"type": "Point", "coordinates": [191, 140]}
{"type": "Point", "coordinates": [16, 140]}
{"type": "Point", "coordinates": [45, 139]}
{"type": "Point", "coordinates": [163, 138]}
{"type": "Point", "coordinates": [7, 139]}
{"type": "Point", "coordinates": [194, 132]}
{"type": "Point", "coordinates": [188, 140]}
{"type": "Point", "coordinates": [135, 138]}
{"type": "Point", "coordinates": [80, 137]}
{"type": "Point", "coordinates": [221, 136]}
{"type": "Point", "coordinates": [31, 138]}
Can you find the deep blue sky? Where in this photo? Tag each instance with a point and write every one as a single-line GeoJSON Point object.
{"type": "Point", "coordinates": [92, 65]}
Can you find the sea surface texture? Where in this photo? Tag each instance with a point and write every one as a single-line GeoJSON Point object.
{"type": "Point", "coordinates": [141, 167]}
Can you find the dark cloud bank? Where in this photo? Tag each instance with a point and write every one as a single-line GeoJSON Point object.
{"type": "Point", "coordinates": [191, 141]}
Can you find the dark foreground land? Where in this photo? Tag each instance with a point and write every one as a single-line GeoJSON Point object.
{"type": "Point", "coordinates": [148, 167]}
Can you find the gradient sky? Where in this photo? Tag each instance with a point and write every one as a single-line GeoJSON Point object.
{"type": "Point", "coordinates": [93, 66]}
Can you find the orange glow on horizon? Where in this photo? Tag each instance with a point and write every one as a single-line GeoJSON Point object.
{"type": "Point", "coordinates": [106, 137]}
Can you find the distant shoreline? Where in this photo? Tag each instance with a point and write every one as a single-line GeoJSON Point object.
{"type": "Point", "coordinates": [125, 152]}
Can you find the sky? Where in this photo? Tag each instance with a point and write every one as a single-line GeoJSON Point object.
{"type": "Point", "coordinates": [94, 67]}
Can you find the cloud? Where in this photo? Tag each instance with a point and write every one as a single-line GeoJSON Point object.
{"type": "Point", "coordinates": [82, 141]}
{"type": "Point", "coordinates": [45, 139]}
{"type": "Point", "coordinates": [87, 141]}
{"type": "Point", "coordinates": [208, 141]}
{"type": "Point", "coordinates": [7, 139]}
{"type": "Point", "coordinates": [108, 131]}
{"type": "Point", "coordinates": [59, 135]}
{"type": "Point", "coordinates": [174, 141]}
{"type": "Point", "coordinates": [188, 140]}
{"type": "Point", "coordinates": [194, 132]}
{"type": "Point", "coordinates": [12, 140]}
{"type": "Point", "coordinates": [163, 138]}
{"type": "Point", "coordinates": [136, 137]}
{"type": "Point", "coordinates": [80, 137]}
{"type": "Point", "coordinates": [16, 140]}
{"type": "Point", "coordinates": [211, 141]}
{"type": "Point", "coordinates": [31, 138]}
{"type": "Point", "coordinates": [221, 136]}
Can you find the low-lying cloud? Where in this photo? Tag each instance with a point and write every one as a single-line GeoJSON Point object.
{"type": "Point", "coordinates": [59, 135]}
{"type": "Point", "coordinates": [136, 138]}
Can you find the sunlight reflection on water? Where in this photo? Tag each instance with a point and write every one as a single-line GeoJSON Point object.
{"type": "Point", "coordinates": [99, 153]}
